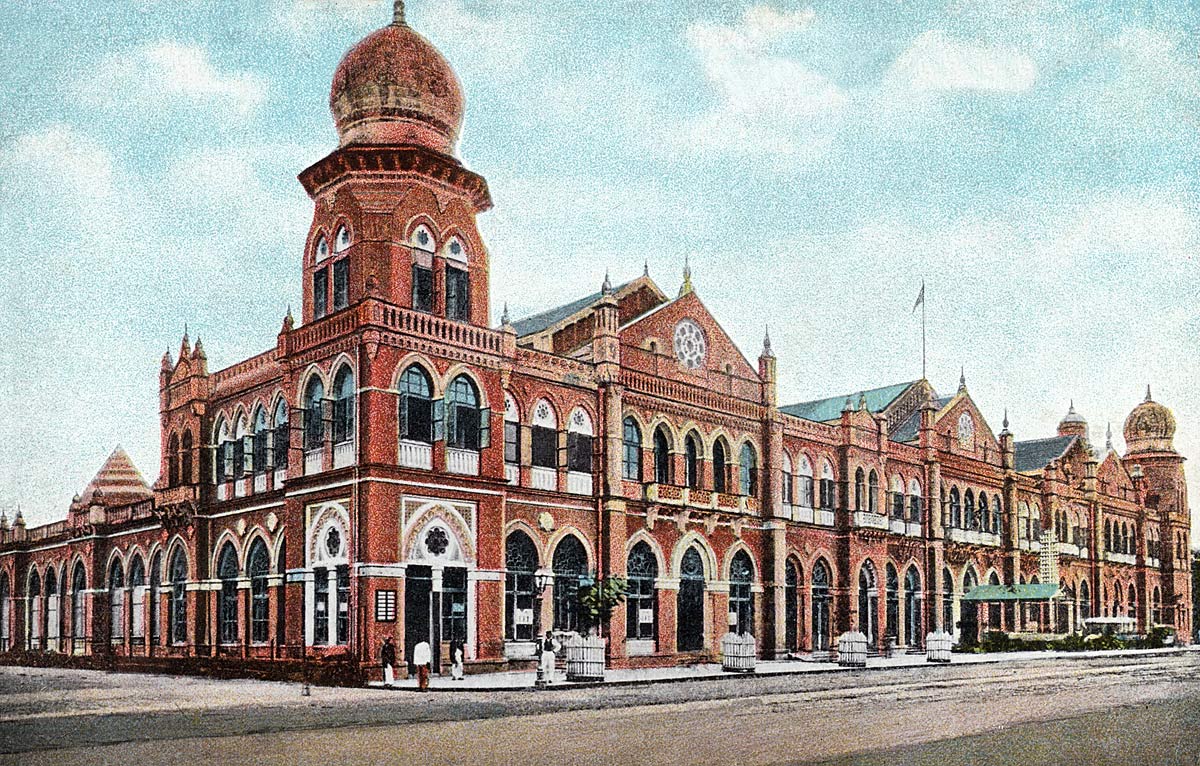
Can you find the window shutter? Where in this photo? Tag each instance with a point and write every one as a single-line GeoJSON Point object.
{"type": "Point", "coordinates": [563, 448]}
{"type": "Point", "coordinates": [402, 416]}
{"type": "Point", "coordinates": [439, 420]}
{"type": "Point", "coordinates": [248, 453]}
{"type": "Point", "coordinates": [485, 428]}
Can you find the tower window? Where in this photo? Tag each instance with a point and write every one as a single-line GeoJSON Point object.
{"type": "Point", "coordinates": [422, 282]}
{"type": "Point", "coordinates": [343, 239]}
{"type": "Point", "coordinates": [341, 284]}
{"type": "Point", "coordinates": [320, 293]}
{"type": "Point", "coordinates": [322, 251]}
{"type": "Point", "coordinates": [458, 296]}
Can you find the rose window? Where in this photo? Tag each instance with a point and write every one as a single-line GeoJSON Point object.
{"type": "Point", "coordinates": [689, 344]}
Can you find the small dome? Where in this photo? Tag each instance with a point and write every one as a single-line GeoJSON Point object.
{"type": "Point", "coordinates": [394, 87]}
{"type": "Point", "coordinates": [1073, 424]}
{"type": "Point", "coordinates": [1150, 427]}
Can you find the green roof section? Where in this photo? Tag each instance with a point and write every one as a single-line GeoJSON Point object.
{"type": "Point", "coordinates": [538, 322]}
{"type": "Point", "coordinates": [1022, 592]}
{"type": "Point", "coordinates": [822, 410]}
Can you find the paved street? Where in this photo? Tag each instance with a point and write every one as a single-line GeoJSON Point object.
{"type": "Point", "coordinates": [1126, 710]}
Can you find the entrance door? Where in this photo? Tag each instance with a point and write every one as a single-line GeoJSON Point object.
{"type": "Point", "coordinates": [690, 636]}
{"type": "Point", "coordinates": [418, 612]}
{"type": "Point", "coordinates": [969, 623]}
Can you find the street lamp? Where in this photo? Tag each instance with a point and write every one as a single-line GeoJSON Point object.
{"type": "Point", "coordinates": [540, 581]}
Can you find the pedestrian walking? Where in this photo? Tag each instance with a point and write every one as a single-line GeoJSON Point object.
{"type": "Point", "coordinates": [549, 649]}
{"type": "Point", "coordinates": [456, 660]}
{"type": "Point", "coordinates": [422, 657]}
{"type": "Point", "coordinates": [387, 656]}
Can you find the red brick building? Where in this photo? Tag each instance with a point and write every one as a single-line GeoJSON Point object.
{"type": "Point", "coordinates": [393, 465]}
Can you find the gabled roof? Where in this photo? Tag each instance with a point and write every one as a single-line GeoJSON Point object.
{"type": "Point", "coordinates": [821, 410]}
{"type": "Point", "coordinates": [550, 317]}
{"type": "Point", "coordinates": [118, 482]}
{"type": "Point", "coordinates": [1033, 455]}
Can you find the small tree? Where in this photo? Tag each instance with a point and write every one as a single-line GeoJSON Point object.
{"type": "Point", "coordinates": [598, 600]}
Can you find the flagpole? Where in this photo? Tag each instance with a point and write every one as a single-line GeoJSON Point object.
{"type": "Point", "coordinates": [923, 330]}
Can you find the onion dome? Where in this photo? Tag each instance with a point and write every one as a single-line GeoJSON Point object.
{"type": "Point", "coordinates": [1073, 424]}
{"type": "Point", "coordinates": [1150, 427]}
{"type": "Point", "coordinates": [394, 87]}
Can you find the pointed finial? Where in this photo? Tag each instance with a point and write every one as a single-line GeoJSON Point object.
{"type": "Point", "coordinates": [288, 321]}
{"type": "Point", "coordinates": [167, 362]}
{"type": "Point", "coordinates": [1071, 408]}
{"type": "Point", "coordinates": [1005, 424]}
{"type": "Point", "coordinates": [199, 352]}
{"type": "Point", "coordinates": [398, 13]}
{"type": "Point", "coordinates": [1148, 392]}
{"type": "Point", "coordinates": [686, 287]}
{"type": "Point", "coordinates": [962, 379]}
{"type": "Point", "coordinates": [606, 286]}
{"type": "Point", "coordinates": [646, 268]}
{"type": "Point", "coordinates": [504, 316]}
{"type": "Point", "coordinates": [847, 407]}
{"type": "Point", "coordinates": [767, 341]}
{"type": "Point", "coordinates": [1108, 445]}
{"type": "Point", "coordinates": [862, 401]}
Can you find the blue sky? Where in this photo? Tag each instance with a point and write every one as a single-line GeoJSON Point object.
{"type": "Point", "coordinates": [1034, 161]}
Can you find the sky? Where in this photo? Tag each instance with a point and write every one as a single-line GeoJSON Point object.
{"type": "Point", "coordinates": [1034, 162]}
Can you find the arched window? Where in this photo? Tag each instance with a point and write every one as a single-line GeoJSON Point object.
{"type": "Point", "coordinates": [912, 608]}
{"type": "Point", "coordinates": [748, 470]}
{"type": "Point", "coordinates": [970, 520]}
{"type": "Point", "coordinates": [792, 577]}
{"type": "Point", "coordinates": [860, 489]}
{"type": "Point", "coordinates": [227, 616]}
{"type": "Point", "coordinates": [155, 591]}
{"type": "Point", "coordinates": [116, 600]}
{"type": "Point", "coordinates": [416, 405]}
{"type": "Point", "coordinates": [1156, 606]}
{"type": "Point", "coordinates": [261, 430]}
{"type": "Point", "coordinates": [137, 601]}
{"type": "Point", "coordinates": [805, 483]}
{"type": "Point", "coordinates": [343, 406]}
{"type": "Point", "coordinates": [281, 439]}
{"type": "Point", "coordinates": [579, 442]}
{"type": "Point", "coordinates": [223, 469]}
{"type": "Point", "coordinates": [544, 436]}
{"type": "Point", "coordinates": [996, 515]}
{"type": "Point", "coordinates": [892, 603]}
{"type": "Point", "coordinates": [985, 513]}
{"type": "Point", "coordinates": [173, 460]}
{"type": "Point", "coordinates": [914, 501]}
{"type": "Point", "coordinates": [897, 498]}
{"type": "Point", "coordinates": [662, 456]}
{"type": "Point", "coordinates": [821, 600]}
{"type": "Point", "coordinates": [458, 290]}
{"type": "Point", "coordinates": [691, 463]}
{"type": "Point", "coordinates": [570, 567]}
{"type": "Point", "coordinates": [873, 492]}
{"type": "Point", "coordinates": [994, 606]}
{"type": "Point", "coordinates": [422, 269]}
{"type": "Point", "coordinates": [631, 455]}
{"type": "Point", "coordinates": [741, 597]}
{"type": "Point", "coordinates": [689, 609]}
{"type": "Point", "coordinates": [786, 481]}
{"type": "Point", "coordinates": [512, 435]}
{"type": "Point", "coordinates": [828, 492]}
{"type": "Point", "coordinates": [641, 598]}
{"type": "Point", "coordinates": [520, 563]}
{"type": "Point", "coordinates": [467, 425]}
{"type": "Point", "coordinates": [185, 459]}
{"type": "Point", "coordinates": [947, 602]}
{"type": "Point", "coordinates": [177, 604]}
{"type": "Point", "coordinates": [1108, 536]}
{"type": "Point", "coordinates": [955, 509]}
{"type": "Point", "coordinates": [53, 617]}
{"type": "Point", "coordinates": [79, 602]}
{"type": "Point", "coordinates": [314, 423]}
{"type": "Point", "coordinates": [1132, 602]}
{"type": "Point", "coordinates": [5, 612]}
{"type": "Point", "coordinates": [342, 241]}
{"type": "Point", "coordinates": [258, 566]}
{"type": "Point", "coordinates": [720, 466]}
{"type": "Point", "coordinates": [33, 623]}
{"type": "Point", "coordinates": [868, 602]}
{"type": "Point", "coordinates": [1085, 600]}
{"type": "Point", "coordinates": [321, 251]}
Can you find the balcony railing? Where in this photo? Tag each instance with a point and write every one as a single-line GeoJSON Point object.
{"type": "Point", "coordinates": [416, 455]}
{"type": "Point", "coordinates": [279, 478]}
{"type": "Point", "coordinates": [975, 537]}
{"type": "Point", "coordinates": [823, 517]}
{"type": "Point", "coordinates": [802, 514]}
{"type": "Point", "coordinates": [544, 478]}
{"type": "Point", "coordinates": [1120, 558]}
{"type": "Point", "coordinates": [223, 491]}
{"type": "Point", "coordinates": [313, 461]}
{"type": "Point", "coordinates": [579, 483]}
{"type": "Point", "coordinates": [870, 520]}
{"type": "Point", "coordinates": [239, 487]}
{"type": "Point", "coordinates": [896, 525]}
{"type": "Point", "coordinates": [512, 473]}
{"type": "Point", "coordinates": [912, 528]}
{"type": "Point", "coordinates": [462, 461]}
{"type": "Point", "coordinates": [260, 482]}
{"type": "Point", "coordinates": [343, 454]}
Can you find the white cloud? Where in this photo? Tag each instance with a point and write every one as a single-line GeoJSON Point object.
{"type": "Point", "coordinates": [937, 63]}
{"type": "Point", "coordinates": [172, 74]}
{"type": "Point", "coordinates": [308, 17]}
{"type": "Point", "coordinates": [768, 102]}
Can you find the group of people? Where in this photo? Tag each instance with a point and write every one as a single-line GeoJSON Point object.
{"type": "Point", "coordinates": [422, 659]}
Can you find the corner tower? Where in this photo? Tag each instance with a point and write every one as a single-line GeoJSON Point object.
{"type": "Point", "coordinates": [394, 209]}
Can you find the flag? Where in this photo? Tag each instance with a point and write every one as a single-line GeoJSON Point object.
{"type": "Point", "coordinates": [920, 296]}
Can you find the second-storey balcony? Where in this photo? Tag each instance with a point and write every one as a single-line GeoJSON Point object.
{"type": "Point", "coordinates": [973, 537]}
{"type": "Point", "coordinates": [694, 497]}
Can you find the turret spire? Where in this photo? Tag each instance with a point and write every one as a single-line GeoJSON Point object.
{"type": "Point", "coordinates": [686, 287]}
{"type": "Point", "coordinates": [1108, 444]}
{"type": "Point", "coordinates": [962, 379]}
{"type": "Point", "coordinates": [398, 13]}
{"type": "Point", "coordinates": [606, 287]}
{"type": "Point", "coordinates": [767, 341]}
{"type": "Point", "coordinates": [1148, 393]}
{"type": "Point", "coordinates": [1005, 423]}
{"type": "Point", "coordinates": [504, 315]}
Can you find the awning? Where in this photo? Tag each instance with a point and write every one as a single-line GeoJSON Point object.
{"type": "Point", "coordinates": [1023, 592]}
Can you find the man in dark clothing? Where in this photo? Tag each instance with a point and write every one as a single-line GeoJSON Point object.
{"type": "Point", "coordinates": [388, 657]}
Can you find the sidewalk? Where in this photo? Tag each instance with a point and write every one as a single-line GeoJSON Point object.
{"type": "Point", "coordinates": [509, 681]}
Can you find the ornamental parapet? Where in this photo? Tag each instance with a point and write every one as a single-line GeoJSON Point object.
{"type": "Point", "coordinates": [671, 494]}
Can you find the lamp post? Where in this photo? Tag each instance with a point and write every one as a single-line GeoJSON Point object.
{"type": "Point", "coordinates": [540, 581]}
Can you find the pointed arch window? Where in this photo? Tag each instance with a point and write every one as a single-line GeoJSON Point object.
{"type": "Point", "coordinates": [185, 459]}
{"type": "Point", "coordinates": [79, 602]}
{"type": "Point", "coordinates": [343, 406]}
{"type": "Point", "coordinates": [173, 460]}
{"type": "Point", "coordinates": [897, 498]}
{"type": "Point", "coordinates": [116, 600]}
{"type": "Point", "coordinates": [33, 625]}
{"type": "Point", "coordinates": [691, 463]}
{"type": "Point", "coordinates": [422, 269]}
{"type": "Point", "coordinates": [748, 470]}
{"type": "Point", "coordinates": [53, 617]}
{"type": "Point", "coordinates": [891, 603]}
{"type": "Point", "coordinates": [281, 439]}
{"type": "Point", "coordinates": [342, 241]}
{"type": "Point", "coordinates": [822, 600]}
{"type": "Point", "coordinates": [860, 489]}
{"type": "Point", "coordinates": [258, 566]}
{"type": "Point", "coordinates": [154, 593]}
{"type": "Point", "coordinates": [914, 501]}
{"type": "Point", "coordinates": [689, 607]}
{"type": "Point", "coordinates": [720, 466]}
{"type": "Point", "coordinates": [631, 450]}
{"type": "Point", "coordinates": [787, 481]}
{"type": "Point", "coordinates": [544, 436]}
{"type": "Point", "coordinates": [314, 423]}
{"type": "Point", "coordinates": [223, 470]}
{"type": "Point", "coordinates": [137, 601]}
{"type": "Point", "coordinates": [520, 563]}
{"type": "Point", "coordinates": [512, 433]}
{"type": "Point", "coordinates": [641, 599]}
{"type": "Point", "coordinates": [227, 612]}
{"type": "Point", "coordinates": [5, 612]}
{"type": "Point", "coordinates": [662, 456]}
{"type": "Point", "coordinates": [177, 603]}
{"type": "Point", "coordinates": [805, 483]}
{"type": "Point", "coordinates": [467, 425]}
{"type": "Point", "coordinates": [828, 493]}
{"type": "Point", "coordinates": [741, 595]}
{"type": "Point", "coordinates": [416, 405]}
{"type": "Point", "coordinates": [570, 567]}
{"type": "Point", "coordinates": [955, 508]}
{"type": "Point", "coordinates": [261, 433]}
{"type": "Point", "coordinates": [873, 492]}
{"type": "Point", "coordinates": [579, 442]}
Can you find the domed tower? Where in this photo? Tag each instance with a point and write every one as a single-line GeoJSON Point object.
{"type": "Point", "coordinates": [395, 210]}
{"type": "Point", "coordinates": [1073, 424]}
{"type": "Point", "coordinates": [1152, 460]}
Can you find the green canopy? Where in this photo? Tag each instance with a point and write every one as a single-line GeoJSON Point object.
{"type": "Point", "coordinates": [1023, 592]}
